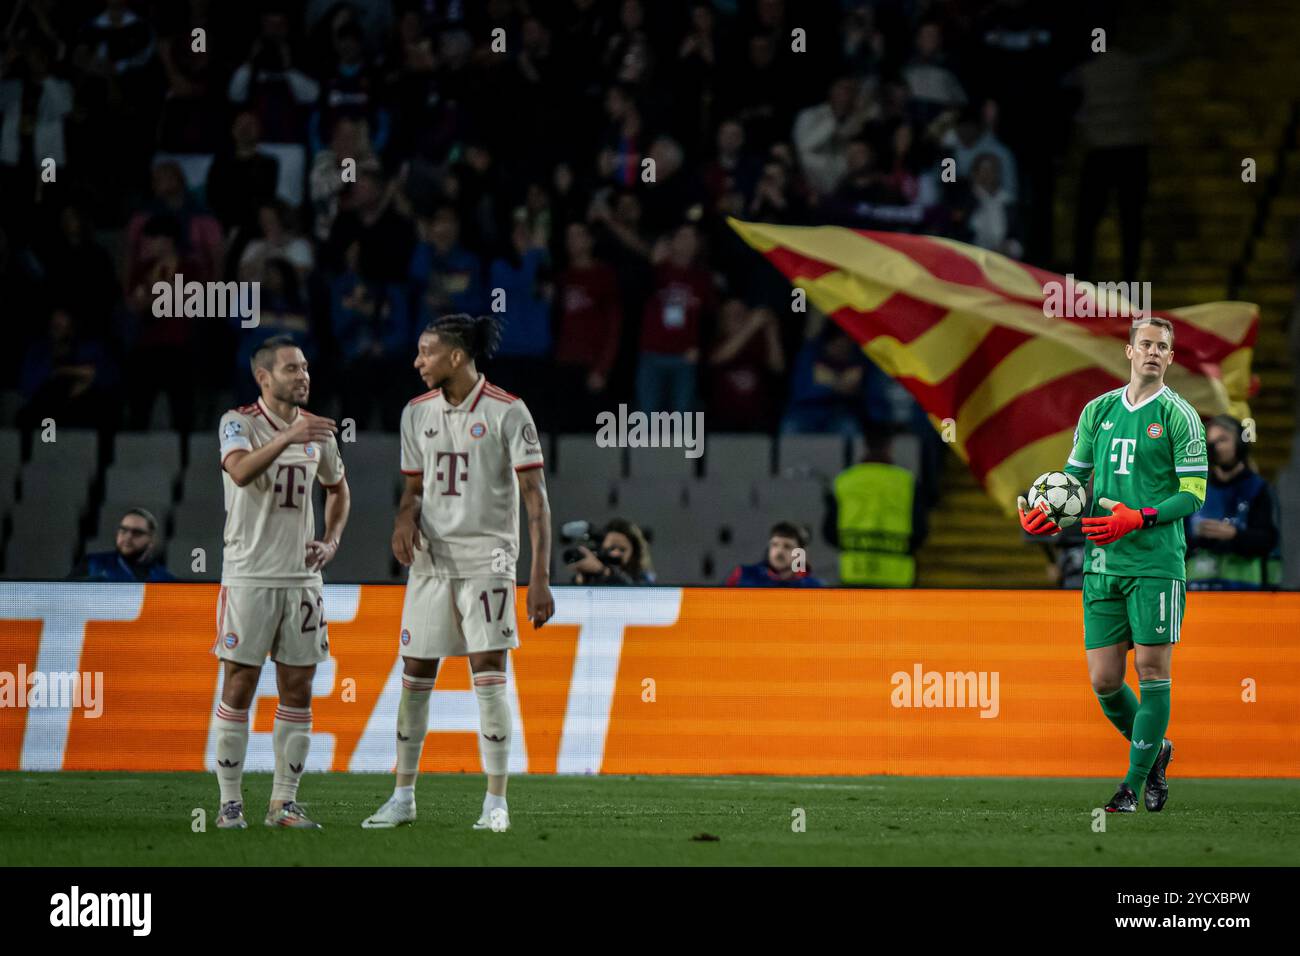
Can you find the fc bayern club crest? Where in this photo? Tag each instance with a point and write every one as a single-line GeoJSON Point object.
{"type": "Point", "coordinates": [406, 636]}
{"type": "Point", "coordinates": [310, 449]}
{"type": "Point", "coordinates": [478, 430]}
{"type": "Point", "coordinates": [1155, 430]}
{"type": "Point", "coordinates": [231, 640]}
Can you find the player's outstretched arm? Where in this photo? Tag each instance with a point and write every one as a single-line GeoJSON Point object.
{"type": "Point", "coordinates": [532, 488]}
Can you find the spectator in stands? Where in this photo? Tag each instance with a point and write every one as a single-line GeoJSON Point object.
{"type": "Point", "coordinates": [373, 331]}
{"type": "Point", "coordinates": [589, 320]}
{"type": "Point", "coordinates": [446, 276]}
{"type": "Point", "coordinates": [933, 88]}
{"type": "Point", "coordinates": [681, 301]}
{"type": "Point", "coordinates": [761, 96]}
{"type": "Point", "coordinates": [1232, 538]}
{"type": "Point", "coordinates": [786, 564]}
{"type": "Point", "coordinates": [972, 136]}
{"type": "Point", "coordinates": [137, 557]}
{"type": "Point", "coordinates": [352, 90]}
{"type": "Point", "coordinates": [242, 179]}
{"type": "Point", "coordinates": [733, 168]}
{"type": "Point", "coordinates": [776, 198]}
{"type": "Point", "coordinates": [675, 195]}
{"type": "Point", "coordinates": [163, 347]}
{"type": "Point", "coordinates": [522, 274]}
{"type": "Point", "coordinates": [69, 378]}
{"type": "Point", "coordinates": [626, 554]}
{"type": "Point", "coordinates": [876, 518]}
{"type": "Point", "coordinates": [828, 392]}
{"type": "Point", "coordinates": [866, 187]}
{"type": "Point", "coordinates": [82, 274]}
{"type": "Point", "coordinates": [350, 140]}
{"type": "Point", "coordinates": [280, 95]}
{"type": "Point", "coordinates": [34, 108]}
{"type": "Point", "coordinates": [278, 241]}
{"type": "Point", "coordinates": [192, 96]}
{"type": "Point", "coordinates": [822, 134]}
{"type": "Point", "coordinates": [373, 214]}
{"type": "Point", "coordinates": [745, 364]}
{"type": "Point", "coordinates": [986, 215]}
{"type": "Point", "coordinates": [197, 233]}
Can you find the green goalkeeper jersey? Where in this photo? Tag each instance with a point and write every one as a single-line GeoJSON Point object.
{"type": "Point", "coordinates": [1140, 455]}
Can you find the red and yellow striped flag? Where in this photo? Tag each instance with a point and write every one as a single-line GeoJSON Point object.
{"type": "Point", "coordinates": [965, 331]}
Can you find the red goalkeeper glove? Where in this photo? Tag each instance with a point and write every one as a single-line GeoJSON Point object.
{"type": "Point", "coordinates": [1035, 520]}
{"type": "Point", "coordinates": [1110, 528]}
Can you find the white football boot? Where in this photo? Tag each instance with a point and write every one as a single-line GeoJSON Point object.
{"type": "Point", "coordinates": [231, 816]}
{"type": "Point", "coordinates": [497, 820]}
{"type": "Point", "coordinates": [291, 816]}
{"type": "Point", "coordinates": [393, 813]}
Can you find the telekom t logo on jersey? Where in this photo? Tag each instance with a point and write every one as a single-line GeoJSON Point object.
{"type": "Point", "coordinates": [459, 460]}
{"type": "Point", "coordinates": [1123, 454]}
{"type": "Point", "coordinates": [292, 481]}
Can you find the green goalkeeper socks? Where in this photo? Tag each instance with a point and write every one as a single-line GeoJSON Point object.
{"type": "Point", "coordinates": [1120, 707]}
{"type": "Point", "coordinates": [1149, 728]}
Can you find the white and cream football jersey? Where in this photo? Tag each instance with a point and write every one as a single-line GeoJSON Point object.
{"type": "Point", "coordinates": [271, 519]}
{"type": "Point", "coordinates": [469, 455]}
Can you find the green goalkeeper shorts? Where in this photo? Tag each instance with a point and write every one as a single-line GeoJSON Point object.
{"type": "Point", "coordinates": [1117, 610]}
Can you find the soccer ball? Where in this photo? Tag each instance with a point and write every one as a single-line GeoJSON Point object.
{"type": "Point", "coordinates": [1060, 496]}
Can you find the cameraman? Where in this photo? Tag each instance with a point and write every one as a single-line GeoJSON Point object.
{"type": "Point", "coordinates": [623, 557]}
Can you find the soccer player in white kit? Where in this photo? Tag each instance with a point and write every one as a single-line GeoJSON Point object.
{"type": "Point", "coordinates": [469, 451]}
{"type": "Point", "coordinates": [270, 601]}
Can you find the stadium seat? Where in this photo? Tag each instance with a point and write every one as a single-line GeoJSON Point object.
{"type": "Point", "coordinates": [197, 525]}
{"type": "Point", "coordinates": [42, 543]}
{"type": "Point", "coordinates": [74, 449]}
{"type": "Point", "coordinates": [578, 456]}
{"type": "Point", "coordinates": [202, 485]}
{"type": "Point", "coordinates": [661, 463]}
{"type": "Point", "coordinates": [366, 554]}
{"type": "Point", "coordinates": [792, 499]}
{"type": "Point", "coordinates": [52, 487]}
{"type": "Point", "coordinates": [124, 482]}
{"type": "Point", "coordinates": [737, 456]}
{"type": "Point", "coordinates": [10, 449]}
{"type": "Point", "coordinates": [633, 495]}
{"type": "Point", "coordinates": [157, 450]}
{"type": "Point", "coordinates": [810, 455]}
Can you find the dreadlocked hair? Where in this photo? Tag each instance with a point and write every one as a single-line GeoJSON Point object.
{"type": "Point", "coordinates": [478, 336]}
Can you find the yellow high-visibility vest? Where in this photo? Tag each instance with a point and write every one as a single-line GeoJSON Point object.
{"type": "Point", "coordinates": [875, 525]}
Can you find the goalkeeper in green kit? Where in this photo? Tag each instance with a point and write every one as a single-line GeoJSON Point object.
{"type": "Point", "coordinates": [1145, 447]}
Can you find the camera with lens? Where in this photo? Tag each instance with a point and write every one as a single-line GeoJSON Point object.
{"type": "Point", "coordinates": [580, 534]}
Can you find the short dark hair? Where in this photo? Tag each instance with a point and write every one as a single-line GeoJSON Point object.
{"type": "Point", "coordinates": [264, 354]}
{"type": "Point", "coordinates": [479, 336]}
{"type": "Point", "coordinates": [1150, 320]}
{"type": "Point", "coordinates": [788, 529]}
{"type": "Point", "coordinates": [148, 517]}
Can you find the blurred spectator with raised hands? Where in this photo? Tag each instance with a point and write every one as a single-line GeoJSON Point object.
{"type": "Point", "coordinates": [136, 556]}
{"type": "Point", "coordinates": [374, 213]}
{"type": "Point", "coordinates": [621, 556]}
{"type": "Point", "coordinates": [986, 215]}
{"type": "Point", "coordinates": [280, 95]}
{"type": "Point", "coordinates": [629, 55]}
{"type": "Point", "coordinates": [676, 194]}
{"type": "Point", "coordinates": [1232, 539]}
{"type": "Point", "coordinates": [69, 377]}
{"type": "Point", "coordinates": [589, 320]}
{"type": "Point", "coordinates": [192, 97]}
{"type": "Point", "coordinates": [784, 566]}
{"type": "Point", "coordinates": [349, 140]}
{"type": "Point", "coordinates": [828, 391]}
{"type": "Point", "coordinates": [733, 168]}
{"type": "Point", "coordinates": [522, 273]}
{"type": "Point", "coordinates": [445, 276]}
{"type": "Point", "coordinates": [282, 312]}
{"type": "Point", "coordinates": [822, 133]}
{"type": "Point", "coordinates": [744, 368]}
{"type": "Point", "coordinates": [775, 198]}
{"type": "Point", "coordinates": [278, 240]}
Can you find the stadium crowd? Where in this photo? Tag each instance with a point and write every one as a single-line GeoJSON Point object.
{"type": "Point", "coordinates": [375, 163]}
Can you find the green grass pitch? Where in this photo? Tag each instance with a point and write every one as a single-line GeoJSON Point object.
{"type": "Point", "coordinates": [124, 819]}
